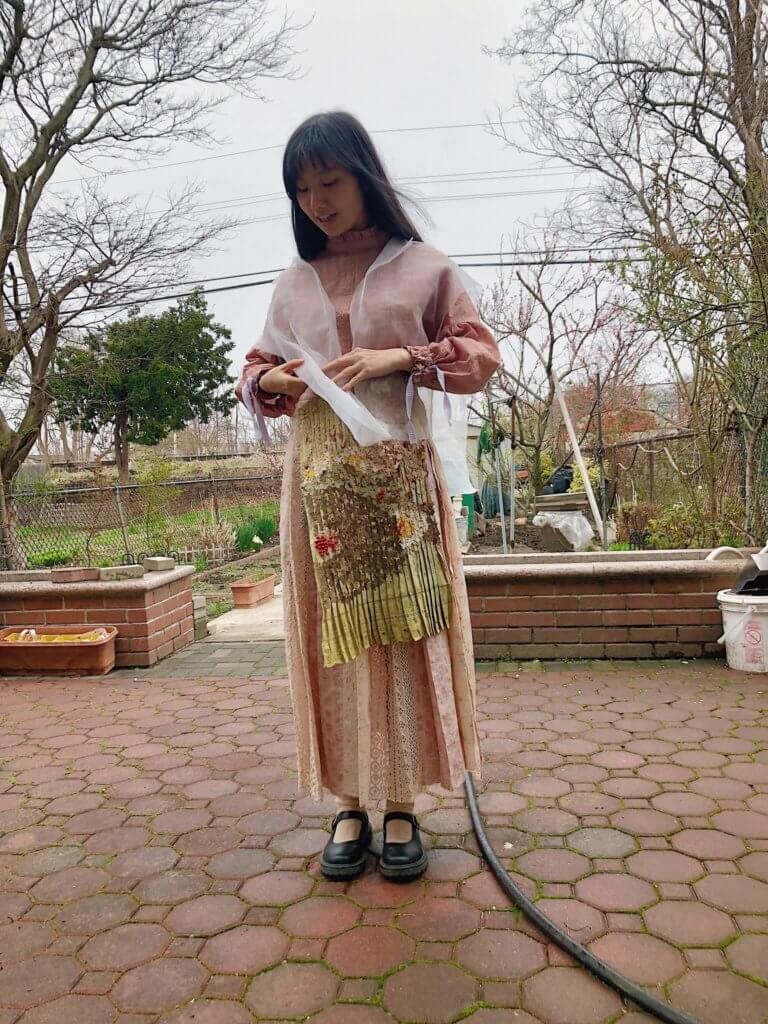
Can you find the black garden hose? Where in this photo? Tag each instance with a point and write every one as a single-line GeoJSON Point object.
{"type": "Point", "coordinates": [657, 1007]}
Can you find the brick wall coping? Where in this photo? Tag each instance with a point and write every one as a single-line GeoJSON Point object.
{"type": "Point", "coordinates": [597, 565]}
{"type": "Point", "coordinates": [148, 582]}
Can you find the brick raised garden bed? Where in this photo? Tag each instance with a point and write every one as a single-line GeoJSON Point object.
{"type": "Point", "coordinates": [153, 614]}
{"type": "Point", "coordinates": [649, 604]}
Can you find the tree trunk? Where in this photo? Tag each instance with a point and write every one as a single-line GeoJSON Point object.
{"type": "Point", "coordinates": [751, 493]}
{"type": "Point", "coordinates": [12, 554]}
{"type": "Point", "coordinates": [69, 455]}
{"type": "Point", "coordinates": [44, 444]}
{"type": "Point", "coordinates": [121, 447]}
{"type": "Point", "coordinates": [537, 481]}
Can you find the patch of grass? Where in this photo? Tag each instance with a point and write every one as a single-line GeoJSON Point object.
{"type": "Point", "coordinates": [48, 546]}
{"type": "Point", "coordinates": [217, 608]}
{"type": "Point", "coordinates": [254, 521]}
{"type": "Point", "coordinates": [244, 537]}
{"type": "Point", "coordinates": [49, 559]}
{"type": "Point", "coordinates": [266, 527]}
{"type": "Point", "coordinates": [258, 574]}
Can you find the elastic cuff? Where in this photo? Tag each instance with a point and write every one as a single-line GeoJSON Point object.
{"type": "Point", "coordinates": [265, 397]}
{"type": "Point", "coordinates": [422, 358]}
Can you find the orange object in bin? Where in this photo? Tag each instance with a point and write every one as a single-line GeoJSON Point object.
{"type": "Point", "coordinates": [49, 653]}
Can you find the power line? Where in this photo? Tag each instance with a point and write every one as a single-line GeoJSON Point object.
{"type": "Point", "coordinates": [544, 254]}
{"type": "Point", "coordinates": [459, 197]}
{"type": "Point", "coordinates": [271, 280]}
{"type": "Point", "coordinates": [223, 205]}
{"type": "Point", "coordinates": [270, 218]}
{"type": "Point", "coordinates": [434, 179]}
{"type": "Point", "coordinates": [545, 251]}
{"type": "Point", "coordinates": [279, 145]}
{"type": "Point", "coordinates": [544, 259]}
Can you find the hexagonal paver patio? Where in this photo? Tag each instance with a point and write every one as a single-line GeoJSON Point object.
{"type": "Point", "coordinates": [158, 866]}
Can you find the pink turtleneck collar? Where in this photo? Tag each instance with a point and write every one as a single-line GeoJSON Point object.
{"type": "Point", "coordinates": [357, 241]}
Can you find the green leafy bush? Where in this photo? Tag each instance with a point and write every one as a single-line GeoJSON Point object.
{"type": "Point", "coordinates": [687, 525]}
{"type": "Point", "coordinates": [50, 559]}
{"type": "Point", "coordinates": [262, 526]}
{"type": "Point", "coordinates": [634, 518]}
{"type": "Point", "coordinates": [548, 467]}
{"type": "Point", "coordinates": [244, 537]}
{"type": "Point", "coordinates": [266, 527]}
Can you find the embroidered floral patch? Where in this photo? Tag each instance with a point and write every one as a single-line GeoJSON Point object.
{"type": "Point", "coordinates": [326, 544]}
{"type": "Point", "coordinates": [405, 527]}
{"type": "Point", "coordinates": [412, 527]}
{"type": "Point", "coordinates": [367, 507]}
{"type": "Point", "coordinates": [376, 547]}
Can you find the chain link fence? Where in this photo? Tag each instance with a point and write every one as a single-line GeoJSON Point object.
{"type": "Point", "coordinates": [687, 468]}
{"type": "Point", "coordinates": [691, 490]}
{"type": "Point", "coordinates": [204, 521]}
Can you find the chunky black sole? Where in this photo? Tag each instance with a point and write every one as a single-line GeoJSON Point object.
{"type": "Point", "coordinates": [404, 872]}
{"type": "Point", "coordinates": [345, 872]}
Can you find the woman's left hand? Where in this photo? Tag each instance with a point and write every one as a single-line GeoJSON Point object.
{"type": "Point", "coordinates": [366, 363]}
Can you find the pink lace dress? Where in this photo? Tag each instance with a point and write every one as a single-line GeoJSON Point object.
{"type": "Point", "coordinates": [400, 717]}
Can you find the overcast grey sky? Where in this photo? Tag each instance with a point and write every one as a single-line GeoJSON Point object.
{"type": "Point", "coordinates": [399, 64]}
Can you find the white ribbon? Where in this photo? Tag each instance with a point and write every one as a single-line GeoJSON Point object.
{"type": "Point", "coordinates": [252, 404]}
{"type": "Point", "coordinates": [410, 391]}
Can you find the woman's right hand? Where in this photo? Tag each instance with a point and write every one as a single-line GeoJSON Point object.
{"type": "Point", "coordinates": [281, 380]}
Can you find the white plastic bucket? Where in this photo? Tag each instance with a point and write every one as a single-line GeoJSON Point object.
{"type": "Point", "coordinates": [461, 529]}
{"type": "Point", "coordinates": [745, 630]}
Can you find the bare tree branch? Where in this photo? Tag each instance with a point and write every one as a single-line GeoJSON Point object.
{"type": "Point", "coordinates": [92, 81]}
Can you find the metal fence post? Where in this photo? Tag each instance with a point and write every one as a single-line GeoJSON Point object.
{"type": "Point", "coordinates": [123, 528]}
{"type": "Point", "coordinates": [600, 454]}
{"type": "Point", "coordinates": [60, 525]}
{"type": "Point", "coordinates": [215, 500]}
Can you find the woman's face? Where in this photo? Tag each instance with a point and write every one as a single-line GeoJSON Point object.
{"type": "Point", "coordinates": [332, 199]}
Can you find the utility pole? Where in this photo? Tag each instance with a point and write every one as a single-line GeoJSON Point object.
{"type": "Point", "coordinates": [600, 455]}
{"type": "Point", "coordinates": [512, 471]}
{"type": "Point", "coordinates": [498, 472]}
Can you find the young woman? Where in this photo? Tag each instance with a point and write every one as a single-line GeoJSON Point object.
{"type": "Point", "coordinates": [378, 638]}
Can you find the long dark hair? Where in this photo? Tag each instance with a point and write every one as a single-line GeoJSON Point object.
{"type": "Point", "coordinates": [338, 137]}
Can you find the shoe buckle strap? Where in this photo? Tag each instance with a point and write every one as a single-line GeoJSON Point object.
{"type": "Point", "coordinates": [360, 816]}
{"type": "Point", "coordinates": [401, 816]}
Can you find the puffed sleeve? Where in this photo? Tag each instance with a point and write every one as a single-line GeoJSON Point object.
{"type": "Point", "coordinates": [464, 348]}
{"type": "Point", "coordinates": [257, 363]}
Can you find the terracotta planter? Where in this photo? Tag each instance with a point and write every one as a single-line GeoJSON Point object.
{"type": "Point", "coordinates": [247, 593]}
{"type": "Point", "coordinates": [59, 659]}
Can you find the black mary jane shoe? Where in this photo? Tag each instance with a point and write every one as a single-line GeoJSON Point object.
{"type": "Point", "coordinates": [342, 861]}
{"type": "Point", "coordinates": [402, 862]}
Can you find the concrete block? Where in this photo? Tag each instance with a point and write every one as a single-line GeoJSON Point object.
{"type": "Point", "coordinates": [74, 575]}
{"type": "Point", "coordinates": [25, 576]}
{"type": "Point", "coordinates": [121, 572]}
{"type": "Point", "coordinates": [159, 564]}
{"type": "Point", "coordinates": [200, 603]}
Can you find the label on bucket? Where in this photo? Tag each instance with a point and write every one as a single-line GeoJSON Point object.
{"type": "Point", "coordinates": [753, 642]}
